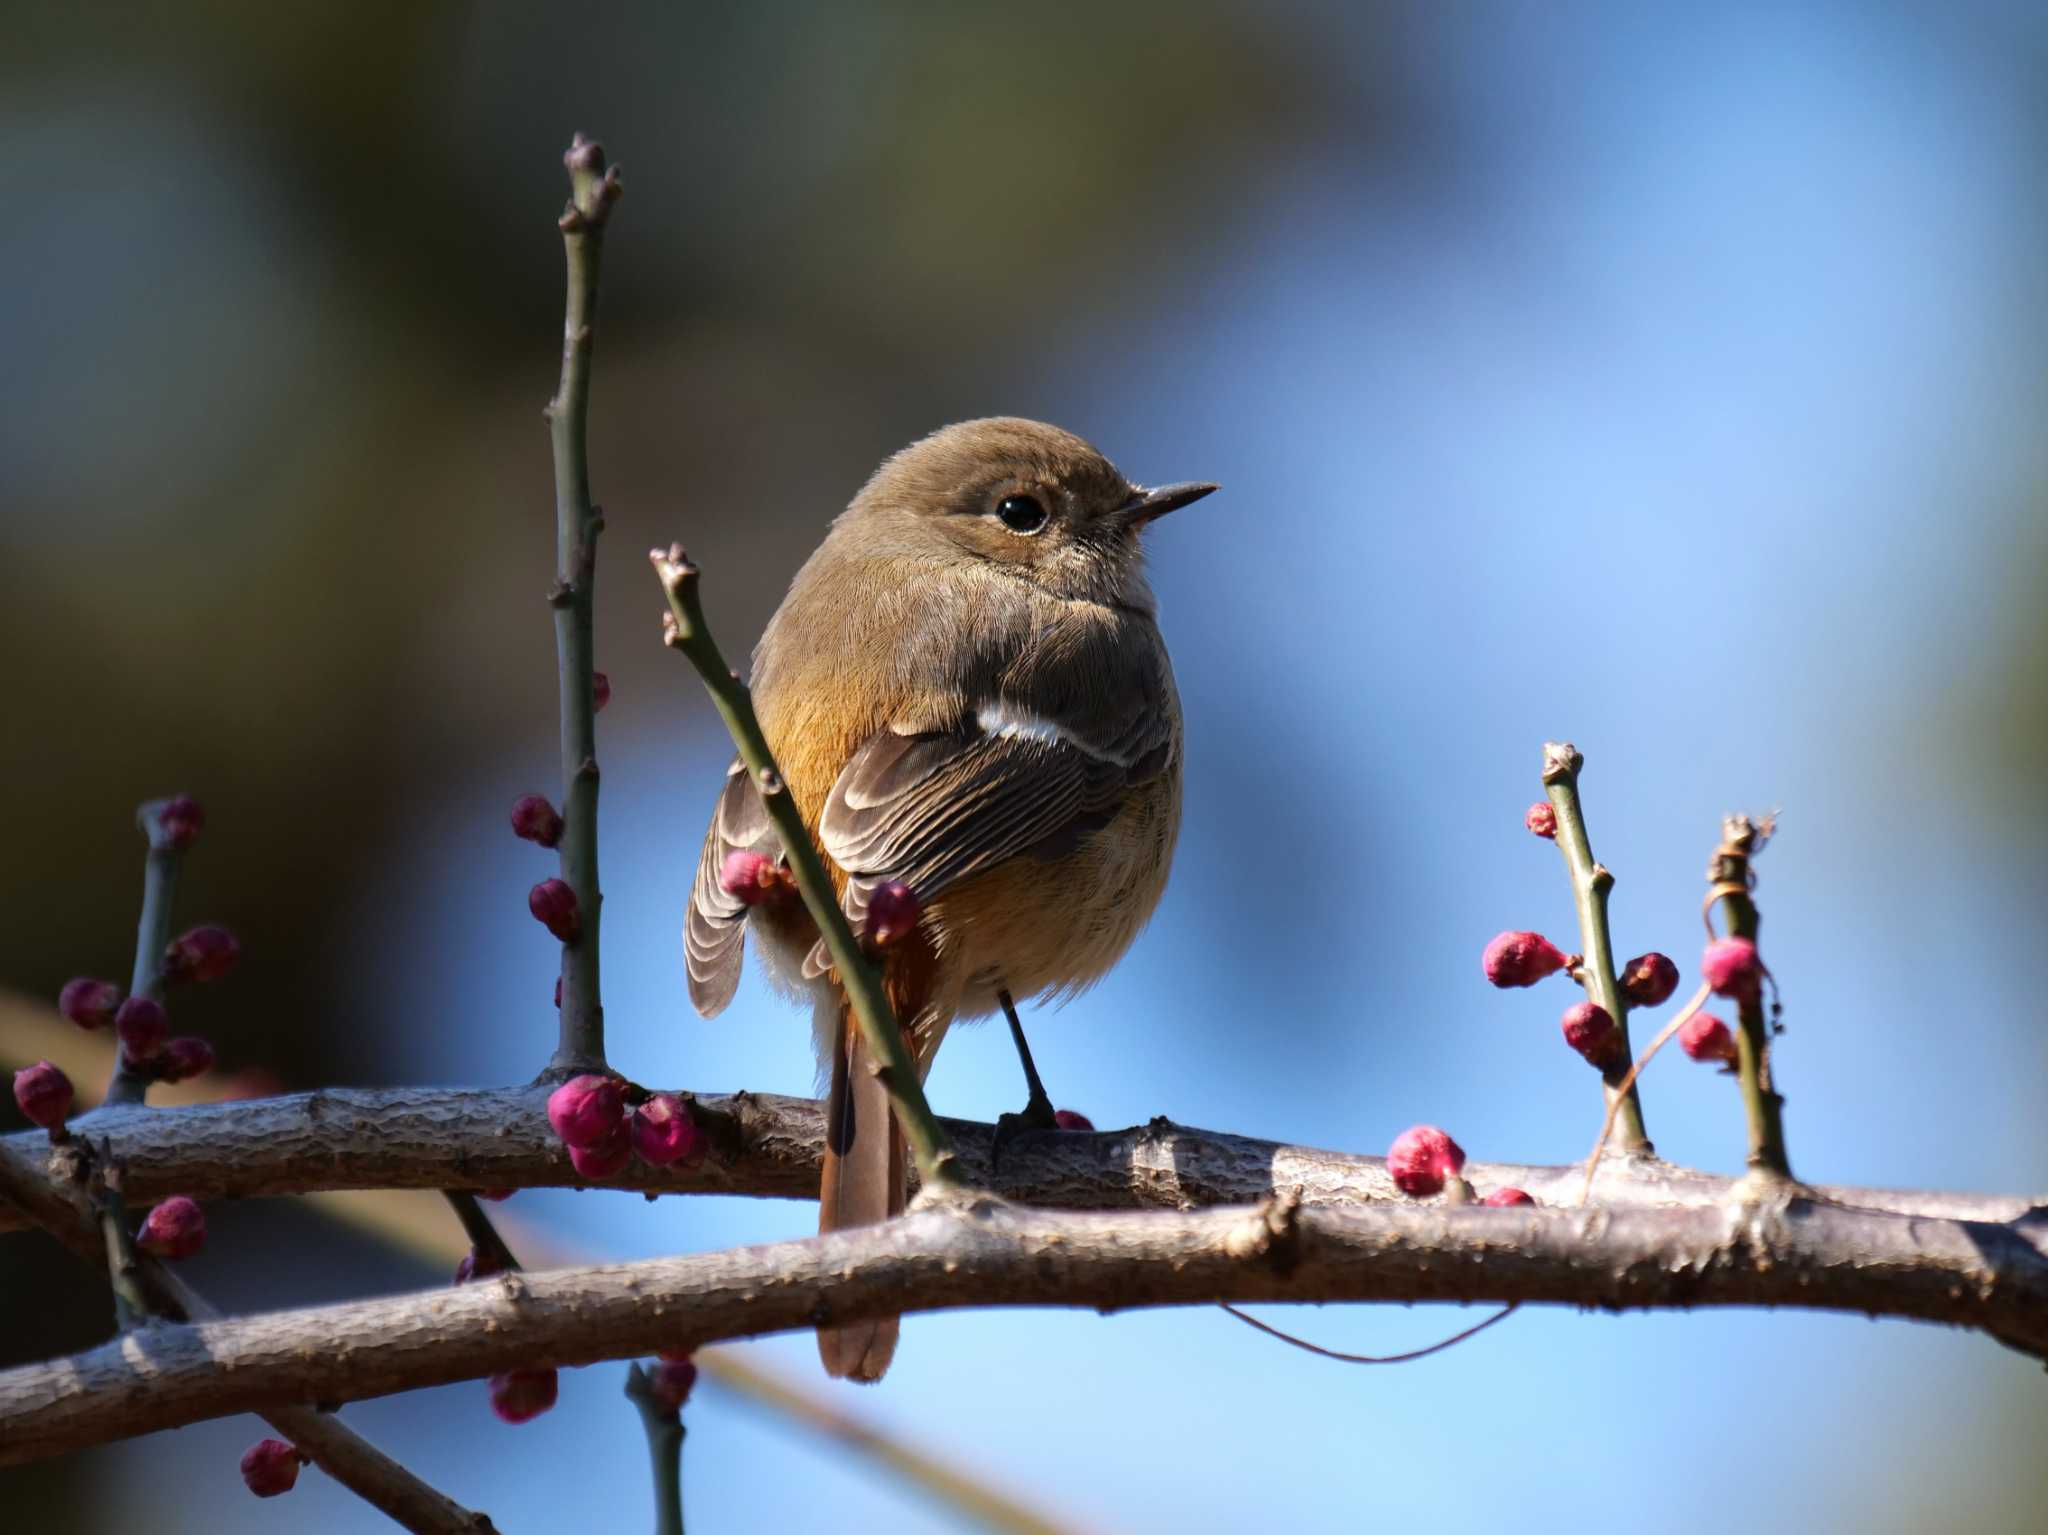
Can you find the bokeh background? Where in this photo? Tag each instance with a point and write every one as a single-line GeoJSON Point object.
{"type": "Point", "coordinates": [1665, 380]}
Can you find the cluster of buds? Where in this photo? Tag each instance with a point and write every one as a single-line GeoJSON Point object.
{"type": "Point", "coordinates": [141, 1023]}
{"type": "Point", "coordinates": [174, 1229]}
{"type": "Point", "coordinates": [590, 1115]}
{"type": "Point", "coordinates": [1522, 959]}
{"type": "Point", "coordinates": [271, 1467]}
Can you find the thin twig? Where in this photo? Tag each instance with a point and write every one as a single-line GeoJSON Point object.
{"type": "Point", "coordinates": [484, 1238]}
{"type": "Point", "coordinates": [129, 1084]}
{"type": "Point", "coordinates": [1591, 882]}
{"type": "Point", "coordinates": [1330, 1353]}
{"type": "Point", "coordinates": [1730, 878]}
{"type": "Point", "coordinates": [592, 190]}
{"type": "Point", "coordinates": [687, 632]}
{"type": "Point", "coordinates": [131, 1306]}
{"type": "Point", "coordinates": [1699, 1000]}
{"type": "Point", "coordinates": [665, 1433]}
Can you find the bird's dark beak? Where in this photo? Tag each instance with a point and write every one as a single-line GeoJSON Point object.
{"type": "Point", "coordinates": [1157, 502]}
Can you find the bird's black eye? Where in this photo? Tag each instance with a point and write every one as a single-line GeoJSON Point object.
{"type": "Point", "coordinates": [1021, 514]}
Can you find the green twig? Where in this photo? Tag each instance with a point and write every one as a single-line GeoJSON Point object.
{"type": "Point", "coordinates": [592, 190]}
{"type": "Point", "coordinates": [686, 631]}
{"type": "Point", "coordinates": [484, 1238]}
{"type": "Point", "coordinates": [1730, 879]}
{"type": "Point", "coordinates": [1591, 882]}
{"type": "Point", "coordinates": [124, 1272]}
{"type": "Point", "coordinates": [665, 1432]}
{"type": "Point", "coordinates": [152, 936]}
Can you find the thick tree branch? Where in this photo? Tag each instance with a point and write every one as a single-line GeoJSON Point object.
{"type": "Point", "coordinates": [768, 1145]}
{"type": "Point", "coordinates": [1789, 1252]}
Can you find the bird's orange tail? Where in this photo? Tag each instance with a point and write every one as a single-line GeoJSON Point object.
{"type": "Point", "coordinates": [863, 1184]}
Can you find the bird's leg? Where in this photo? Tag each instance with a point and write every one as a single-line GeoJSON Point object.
{"type": "Point", "coordinates": [1038, 1111]}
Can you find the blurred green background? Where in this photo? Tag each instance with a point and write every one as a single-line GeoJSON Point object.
{"type": "Point", "coordinates": [1665, 380]}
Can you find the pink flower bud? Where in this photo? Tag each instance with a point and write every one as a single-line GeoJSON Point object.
{"type": "Point", "coordinates": [89, 1003]}
{"type": "Point", "coordinates": [1731, 967]}
{"type": "Point", "coordinates": [664, 1132]}
{"type": "Point", "coordinates": [44, 1094]}
{"type": "Point", "coordinates": [670, 1380]}
{"type": "Point", "coordinates": [1422, 1159]}
{"type": "Point", "coordinates": [1067, 1119]}
{"type": "Point", "coordinates": [143, 1026]}
{"type": "Point", "coordinates": [523, 1394]}
{"type": "Point", "coordinates": [1521, 959]}
{"type": "Point", "coordinates": [184, 1057]}
{"type": "Point", "coordinates": [754, 879]}
{"type": "Point", "coordinates": [181, 820]}
{"type": "Point", "coordinates": [893, 912]}
{"type": "Point", "coordinates": [496, 1196]}
{"type": "Point", "coordinates": [1505, 1197]}
{"type": "Point", "coordinates": [1541, 819]}
{"type": "Point", "coordinates": [269, 1467]}
{"type": "Point", "coordinates": [587, 1111]}
{"type": "Point", "coordinates": [1648, 980]}
{"type": "Point", "coordinates": [174, 1229]}
{"type": "Point", "coordinates": [476, 1264]}
{"type": "Point", "coordinates": [600, 692]}
{"type": "Point", "coordinates": [553, 905]}
{"type": "Point", "coordinates": [594, 1164]}
{"type": "Point", "coordinates": [1589, 1029]}
{"type": "Point", "coordinates": [201, 954]}
{"type": "Point", "coordinates": [536, 820]}
{"type": "Point", "coordinates": [1706, 1038]}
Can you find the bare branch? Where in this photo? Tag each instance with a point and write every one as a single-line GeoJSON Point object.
{"type": "Point", "coordinates": [768, 1145]}
{"type": "Point", "coordinates": [1788, 1252]}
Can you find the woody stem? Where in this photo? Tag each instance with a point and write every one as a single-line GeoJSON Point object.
{"type": "Point", "coordinates": [664, 1426]}
{"type": "Point", "coordinates": [592, 190]}
{"type": "Point", "coordinates": [1591, 881]}
{"type": "Point", "coordinates": [857, 974]}
{"type": "Point", "coordinates": [1730, 873]}
{"type": "Point", "coordinates": [152, 935]}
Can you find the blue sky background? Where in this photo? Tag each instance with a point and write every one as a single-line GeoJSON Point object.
{"type": "Point", "coordinates": [1670, 386]}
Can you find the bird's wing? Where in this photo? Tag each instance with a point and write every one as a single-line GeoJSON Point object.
{"type": "Point", "coordinates": [934, 807]}
{"type": "Point", "coordinates": [714, 936]}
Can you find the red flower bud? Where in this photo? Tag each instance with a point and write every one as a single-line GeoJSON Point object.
{"type": "Point", "coordinates": [269, 1467]}
{"type": "Point", "coordinates": [184, 1057]}
{"type": "Point", "coordinates": [1731, 967]}
{"type": "Point", "coordinates": [1706, 1038]}
{"type": "Point", "coordinates": [523, 1394]}
{"type": "Point", "coordinates": [536, 820]}
{"type": "Point", "coordinates": [754, 879]}
{"type": "Point", "coordinates": [608, 1159]}
{"type": "Point", "coordinates": [496, 1196]}
{"type": "Point", "coordinates": [1589, 1029]}
{"type": "Point", "coordinates": [174, 1229]}
{"type": "Point", "coordinates": [1422, 1159]}
{"type": "Point", "coordinates": [143, 1026]}
{"type": "Point", "coordinates": [181, 820]}
{"type": "Point", "coordinates": [1067, 1119]}
{"type": "Point", "coordinates": [89, 1003]}
{"type": "Point", "coordinates": [201, 954]}
{"type": "Point", "coordinates": [670, 1380]}
{"type": "Point", "coordinates": [1541, 819]}
{"type": "Point", "coordinates": [663, 1132]}
{"type": "Point", "coordinates": [1648, 980]}
{"type": "Point", "coordinates": [893, 911]}
{"type": "Point", "coordinates": [587, 1111]}
{"type": "Point", "coordinates": [553, 905]}
{"type": "Point", "coordinates": [477, 1264]}
{"type": "Point", "coordinates": [1520, 959]}
{"type": "Point", "coordinates": [1505, 1197]}
{"type": "Point", "coordinates": [600, 692]}
{"type": "Point", "coordinates": [44, 1094]}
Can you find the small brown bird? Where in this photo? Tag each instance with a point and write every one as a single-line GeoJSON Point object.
{"type": "Point", "coordinates": [966, 691]}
